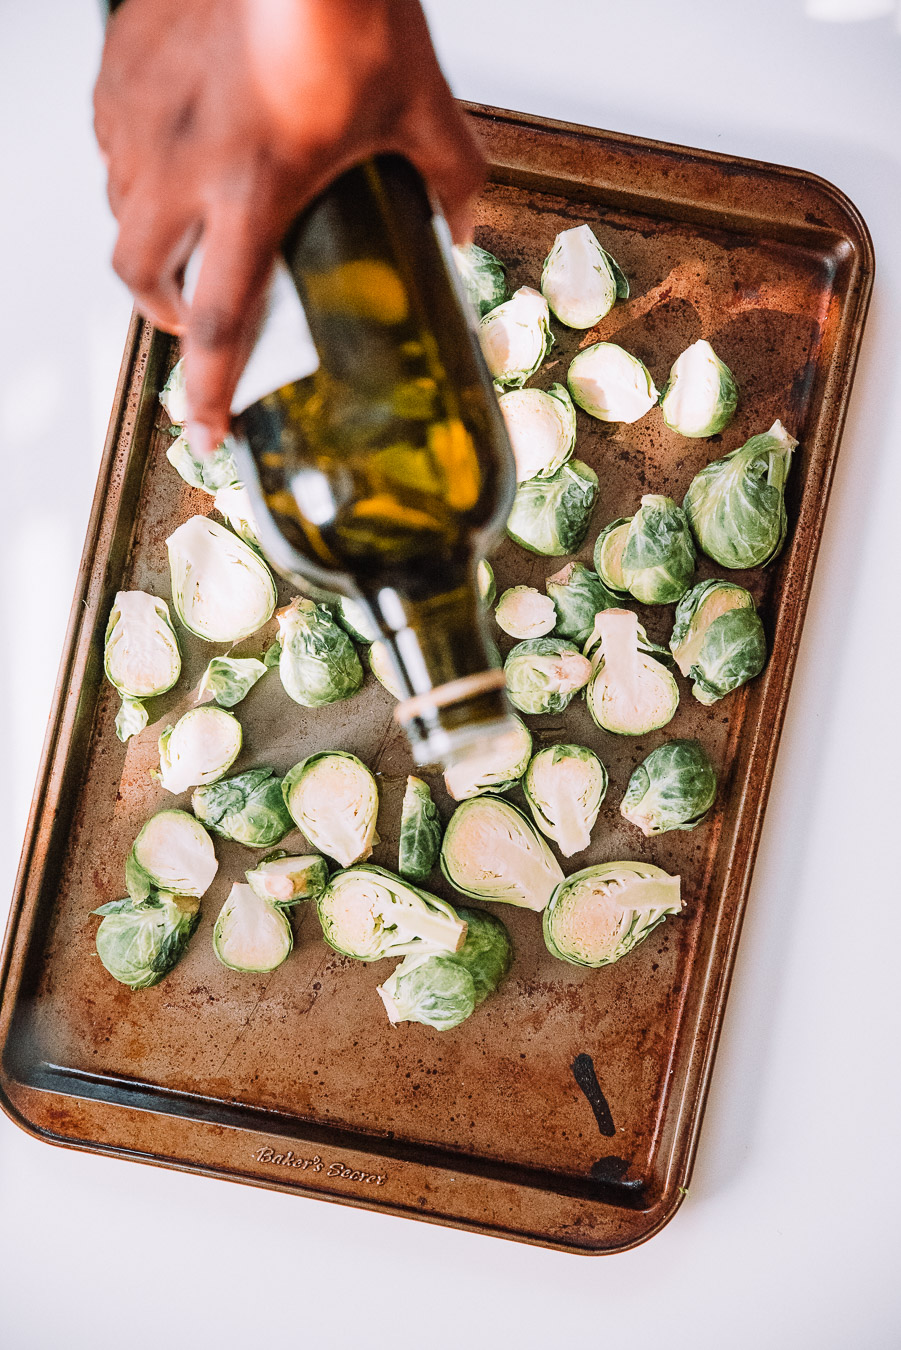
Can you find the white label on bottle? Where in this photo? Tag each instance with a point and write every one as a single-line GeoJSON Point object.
{"type": "Point", "coordinates": [284, 351]}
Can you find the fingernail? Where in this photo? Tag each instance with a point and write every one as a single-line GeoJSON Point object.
{"type": "Point", "coordinates": [200, 439]}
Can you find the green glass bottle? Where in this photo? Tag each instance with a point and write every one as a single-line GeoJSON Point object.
{"type": "Point", "coordinates": [382, 471]}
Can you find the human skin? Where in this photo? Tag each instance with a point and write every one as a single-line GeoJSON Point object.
{"type": "Point", "coordinates": [220, 119]}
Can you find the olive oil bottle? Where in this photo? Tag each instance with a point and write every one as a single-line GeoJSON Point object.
{"type": "Point", "coordinates": [373, 446]}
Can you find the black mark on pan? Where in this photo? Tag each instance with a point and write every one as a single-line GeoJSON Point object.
{"type": "Point", "coordinates": [584, 1074]}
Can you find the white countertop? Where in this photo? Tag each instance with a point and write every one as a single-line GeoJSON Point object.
{"type": "Point", "coordinates": [788, 1238]}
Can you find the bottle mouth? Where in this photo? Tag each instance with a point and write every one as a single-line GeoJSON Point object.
{"type": "Point", "coordinates": [449, 748]}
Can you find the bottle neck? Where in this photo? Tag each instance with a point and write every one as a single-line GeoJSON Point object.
{"type": "Point", "coordinates": [452, 692]}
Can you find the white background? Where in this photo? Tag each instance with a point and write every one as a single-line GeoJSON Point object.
{"type": "Point", "coordinates": [788, 1238]}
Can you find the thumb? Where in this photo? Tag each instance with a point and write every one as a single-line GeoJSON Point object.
{"type": "Point", "coordinates": [445, 151]}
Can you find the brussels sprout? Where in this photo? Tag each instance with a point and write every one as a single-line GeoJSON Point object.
{"type": "Point", "coordinates": [564, 786]}
{"type": "Point", "coordinates": [211, 474]}
{"type": "Point", "coordinates": [578, 595]}
{"type": "Point", "coordinates": [523, 612]}
{"type": "Point", "coordinates": [596, 916]}
{"type": "Point", "coordinates": [718, 640]}
{"type": "Point", "coordinates": [579, 280]}
{"type": "Point", "coordinates": [551, 515]}
{"type": "Point", "coordinates": [140, 943]}
{"type": "Point", "coordinates": [200, 748]}
{"type": "Point", "coordinates": [491, 851]}
{"type": "Point", "coordinates": [736, 506]}
{"type": "Point", "coordinates": [229, 679]}
{"type": "Point", "coordinates": [442, 991]}
{"type": "Point", "coordinates": [610, 384]}
{"type": "Point", "coordinates": [333, 797]}
{"type": "Point", "coordinates": [420, 831]}
{"type": "Point", "coordinates": [234, 504]}
{"type": "Point", "coordinates": [483, 277]}
{"type": "Point", "coordinates": [485, 582]}
{"type": "Point", "coordinates": [318, 662]}
{"type": "Point", "coordinates": [608, 554]}
{"type": "Point", "coordinates": [700, 396]}
{"type": "Point", "coordinates": [542, 429]}
{"type": "Point", "coordinates": [221, 588]}
{"type": "Point", "coordinates": [357, 620]}
{"type": "Point", "coordinates": [172, 853]}
{"type": "Point", "coordinates": [629, 693]}
{"type": "Point", "coordinates": [382, 665]}
{"type": "Point", "coordinates": [247, 809]}
{"type": "Point", "coordinates": [367, 913]}
{"type": "Point", "coordinates": [494, 765]}
{"type": "Point", "coordinates": [251, 934]}
{"type": "Point", "coordinates": [173, 396]}
{"type": "Point", "coordinates": [645, 645]}
{"type": "Point", "coordinates": [672, 789]}
{"type": "Point", "coordinates": [283, 879]}
{"type": "Point", "coordinates": [140, 655]}
{"type": "Point", "coordinates": [516, 337]}
{"type": "Point", "coordinates": [658, 559]}
{"type": "Point", "coordinates": [544, 674]}
{"type": "Point", "coordinates": [131, 718]}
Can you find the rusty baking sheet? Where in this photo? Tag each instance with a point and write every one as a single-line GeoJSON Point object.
{"type": "Point", "coordinates": [566, 1110]}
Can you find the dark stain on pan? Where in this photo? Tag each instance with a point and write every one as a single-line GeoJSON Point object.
{"type": "Point", "coordinates": [584, 1074]}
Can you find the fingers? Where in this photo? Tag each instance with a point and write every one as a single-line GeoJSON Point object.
{"type": "Point", "coordinates": [151, 250]}
{"type": "Point", "coordinates": [238, 252]}
{"type": "Point", "coordinates": [445, 150]}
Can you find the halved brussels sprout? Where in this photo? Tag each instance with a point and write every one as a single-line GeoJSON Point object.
{"type": "Point", "coordinates": [229, 679]}
{"type": "Point", "coordinates": [420, 831]}
{"type": "Point", "coordinates": [172, 853]}
{"type": "Point", "coordinates": [551, 515]}
{"type": "Point", "coordinates": [544, 674]}
{"type": "Point", "coordinates": [251, 934]}
{"type": "Point", "coordinates": [608, 554]}
{"type": "Point", "coordinates": [564, 786]}
{"type": "Point", "coordinates": [247, 809]}
{"type": "Point", "coordinates": [210, 475]}
{"type": "Point", "coordinates": [200, 748]}
{"type": "Point", "coordinates": [140, 654]}
{"type": "Point", "coordinates": [131, 718]}
{"type": "Point", "coordinates": [367, 913]}
{"type": "Point", "coordinates": [578, 595]}
{"type": "Point", "coordinates": [173, 396]}
{"type": "Point", "coordinates": [736, 505]}
{"type": "Point", "coordinates": [611, 384]}
{"type": "Point", "coordinates": [718, 640]}
{"type": "Point", "coordinates": [442, 991]}
{"type": "Point", "coordinates": [483, 277]}
{"type": "Point", "coordinates": [700, 396]}
{"type": "Point", "coordinates": [283, 879]}
{"type": "Point", "coordinates": [140, 943]}
{"type": "Point", "coordinates": [491, 851]}
{"type": "Point", "coordinates": [494, 765]}
{"type": "Point", "coordinates": [333, 797]}
{"type": "Point", "coordinates": [516, 337]}
{"type": "Point", "coordinates": [579, 279]}
{"type": "Point", "coordinates": [381, 663]}
{"type": "Point", "coordinates": [318, 662]}
{"type": "Point", "coordinates": [434, 990]}
{"type": "Point", "coordinates": [673, 788]}
{"type": "Point", "coordinates": [485, 582]}
{"type": "Point", "coordinates": [596, 916]}
{"type": "Point", "coordinates": [234, 503]}
{"type": "Point", "coordinates": [629, 693]}
{"type": "Point", "coordinates": [357, 620]}
{"type": "Point", "coordinates": [658, 559]}
{"type": "Point", "coordinates": [221, 588]}
{"type": "Point", "coordinates": [541, 425]}
{"type": "Point", "coordinates": [523, 612]}
{"type": "Point", "coordinates": [645, 645]}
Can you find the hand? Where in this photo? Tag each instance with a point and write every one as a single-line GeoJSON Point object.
{"type": "Point", "coordinates": [220, 119]}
